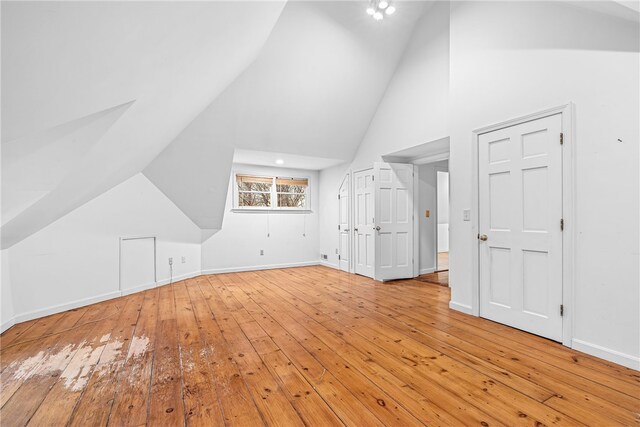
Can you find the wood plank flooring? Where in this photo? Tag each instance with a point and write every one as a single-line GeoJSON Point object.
{"type": "Point", "coordinates": [306, 346]}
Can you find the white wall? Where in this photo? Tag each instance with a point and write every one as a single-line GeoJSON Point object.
{"type": "Point", "coordinates": [414, 107]}
{"type": "Point", "coordinates": [330, 180]}
{"type": "Point", "coordinates": [6, 297]}
{"type": "Point", "coordinates": [427, 197]}
{"type": "Point", "coordinates": [412, 111]}
{"type": "Point", "coordinates": [75, 260]}
{"type": "Point", "coordinates": [287, 238]}
{"type": "Point", "coordinates": [513, 58]}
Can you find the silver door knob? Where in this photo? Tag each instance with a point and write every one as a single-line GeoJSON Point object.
{"type": "Point", "coordinates": [483, 237]}
{"type": "Point", "coordinates": [346, 230]}
{"type": "Point", "coordinates": [355, 229]}
{"type": "Point", "coordinates": [377, 228]}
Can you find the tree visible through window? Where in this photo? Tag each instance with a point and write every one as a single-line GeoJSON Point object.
{"type": "Point", "coordinates": [272, 192]}
{"type": "Point", "coordinates": [292, 192]}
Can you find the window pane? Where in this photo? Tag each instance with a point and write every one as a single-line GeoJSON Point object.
{"type": "Point", "coordinates": [254, 183]}
{"type": "Point", "coordinates": [262, 200]}
{"type": "Point", "coordinates": [291, 200]}
{"type": "Point", "coordinates": [291, 185]}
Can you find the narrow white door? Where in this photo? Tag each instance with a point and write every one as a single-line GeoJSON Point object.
{"type": "Point", "coordinates": [137, 263]}
{"type": "Point", "coordinates": [364, 223]}
{"type": "Point", "coordinates": [393, 221]}
{"type": "Point", "coordinates": [344, 256]}
{"type": "Point", "coordinates": [520, 237]}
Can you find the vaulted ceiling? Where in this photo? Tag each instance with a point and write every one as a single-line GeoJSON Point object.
{"type": "Point", "coordinates": [95, 92]}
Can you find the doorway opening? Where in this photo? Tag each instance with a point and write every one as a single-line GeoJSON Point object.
{"type": "Point", "coordinates": [433, 198]}
{"type": "Point", "coordinates": [442, 218]}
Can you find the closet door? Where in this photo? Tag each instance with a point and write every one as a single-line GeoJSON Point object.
{"type": "Point", "coordinates": [363, 229]}
{"type": "Point", "coordinates": [393, 223]}
{"type": "Point", "coordinates": [344, 207]}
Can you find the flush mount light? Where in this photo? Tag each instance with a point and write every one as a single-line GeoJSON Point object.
{"type": "Point", "coordinates": [378, 8]}
{"type": "Point", "coordinates": [279, 162]}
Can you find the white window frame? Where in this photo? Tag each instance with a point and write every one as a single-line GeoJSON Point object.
{"type": "Point", "coordinates": [274, 194]}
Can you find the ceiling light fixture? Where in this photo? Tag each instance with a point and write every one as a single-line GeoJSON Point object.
{"type": "Point", "coordinates": [279, 162]}
{"type": "Point", "coordinates": [378, 8]}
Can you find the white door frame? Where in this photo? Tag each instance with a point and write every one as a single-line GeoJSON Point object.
{"type": "Point", "coordinates": [568, 211]}
{"type": "Point", "coordinates": [353, 216]}
{"type": "Point", "coordinates": [436, 216]}
{"type": "Point", "coordinates": [347, 175]}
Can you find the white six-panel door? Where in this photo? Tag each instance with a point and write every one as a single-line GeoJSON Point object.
{"type": "Point", "coordinates": [363, 228]}
{"type": "Point", "coordinates": [520, 212]}
{"type": "Point", "coordinates": [393, 221]}
{"type": "Point", "coordinates": [344, 204]}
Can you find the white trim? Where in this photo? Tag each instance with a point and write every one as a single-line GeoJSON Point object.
{"type": "Point", "coordinates": [461, 307]}
{"type": "Point", "coordinates": [434, 158]}
{"type": "Point", "coordinates": [184, 276]}
{"type": "Point", "coordinates": [155, 261]}
{"type": "Point", "coordinates": [330, 265]}
{"type": "Point", "coordinates": [6, 325]}
{"type": "Point", "coordinates": [416, 221]}
{"type": "Point", "coordinates": [259, 267]}
{"type": "Point", "coordinates": [427, 270]}
{"type": "Point", "coordinates": [568, 208]}
{"type": "Point", "coordinates": [614, 356]}
{"type": "Point", "coordinates": [272, 211]}
{"type": "Point", "coordinates": [138, 288]}
{"type": "Point", "coordinates": [274, 193]}
{"type": "Point", "coordinates": [35, 314]}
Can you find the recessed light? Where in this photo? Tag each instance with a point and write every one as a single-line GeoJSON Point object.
{"type": "Point", "coordinates": [279, 162]}
{"type": "Point", "coordinates": [383, 4]}
{"type": "Point", "coordinates": [390, 10]}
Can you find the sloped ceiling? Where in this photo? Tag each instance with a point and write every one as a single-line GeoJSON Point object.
{"type": "Point", "coordinates": [312, 91]}
{"type": "Point", "coordinates": [34, 166]}
{"type": "Point", "coordinates": [62, 61]}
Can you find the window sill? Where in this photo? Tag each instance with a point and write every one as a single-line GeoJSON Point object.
{"type": "Point", "coordinates": [273, 211]}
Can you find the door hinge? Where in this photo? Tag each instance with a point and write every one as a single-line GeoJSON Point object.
{"type": "Point", "coordinates": [561, 138]}
{"type": "Point", "coordinates": [373, 177]}
{"type": "Point", "coordinates": [338, 197]}
{"type": "Point", "coordinates": [338, 226]}
{"type": "Point", "coordinates": [338, 257]}
{"type": "Point", "coordinates": [561, 309]}
{"type": "Point", "coordinates": [561, 224]}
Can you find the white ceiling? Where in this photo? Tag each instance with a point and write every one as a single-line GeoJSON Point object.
{"type": "Point", "coordinates": [62, 61]}
{"type": "Point", "coordinates": [311, 92]}
{"type": "Point", "coordinates": [268, 158]}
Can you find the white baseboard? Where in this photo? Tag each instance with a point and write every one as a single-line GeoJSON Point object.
{"type": "Point", "coordinates": [6, 325]}
{"type": "Point", "coordinates": [35, 314]}
{"type": "Point", "coordinates": [427, 271]}
{"type": "Point", "coordinates": [460, 307]}
{"type": "Point", "coordinates": [178, 278]}
{"type": "Point", "coordinates": [259, 267]}
{"type": "Point", "coordinates": [329, 264]}
{"type": "Point", "coordinates": [614, 356]}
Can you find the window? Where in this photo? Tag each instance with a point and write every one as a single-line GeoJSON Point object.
{"type": "Point", "coordinates": [271, 192]}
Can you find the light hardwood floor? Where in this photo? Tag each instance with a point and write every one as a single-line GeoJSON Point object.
{"type": "Point", "coordinates": [305, 346]}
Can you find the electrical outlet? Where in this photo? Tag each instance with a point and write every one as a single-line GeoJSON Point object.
{"type": "Point", "coordinates": [170, 260]}
{"type": "Point", "coordinates": [184, 259]}
{"type": "Point", "coordinates": [261, 251]}
{"type": "Point", "coordinates": [466, 215]}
